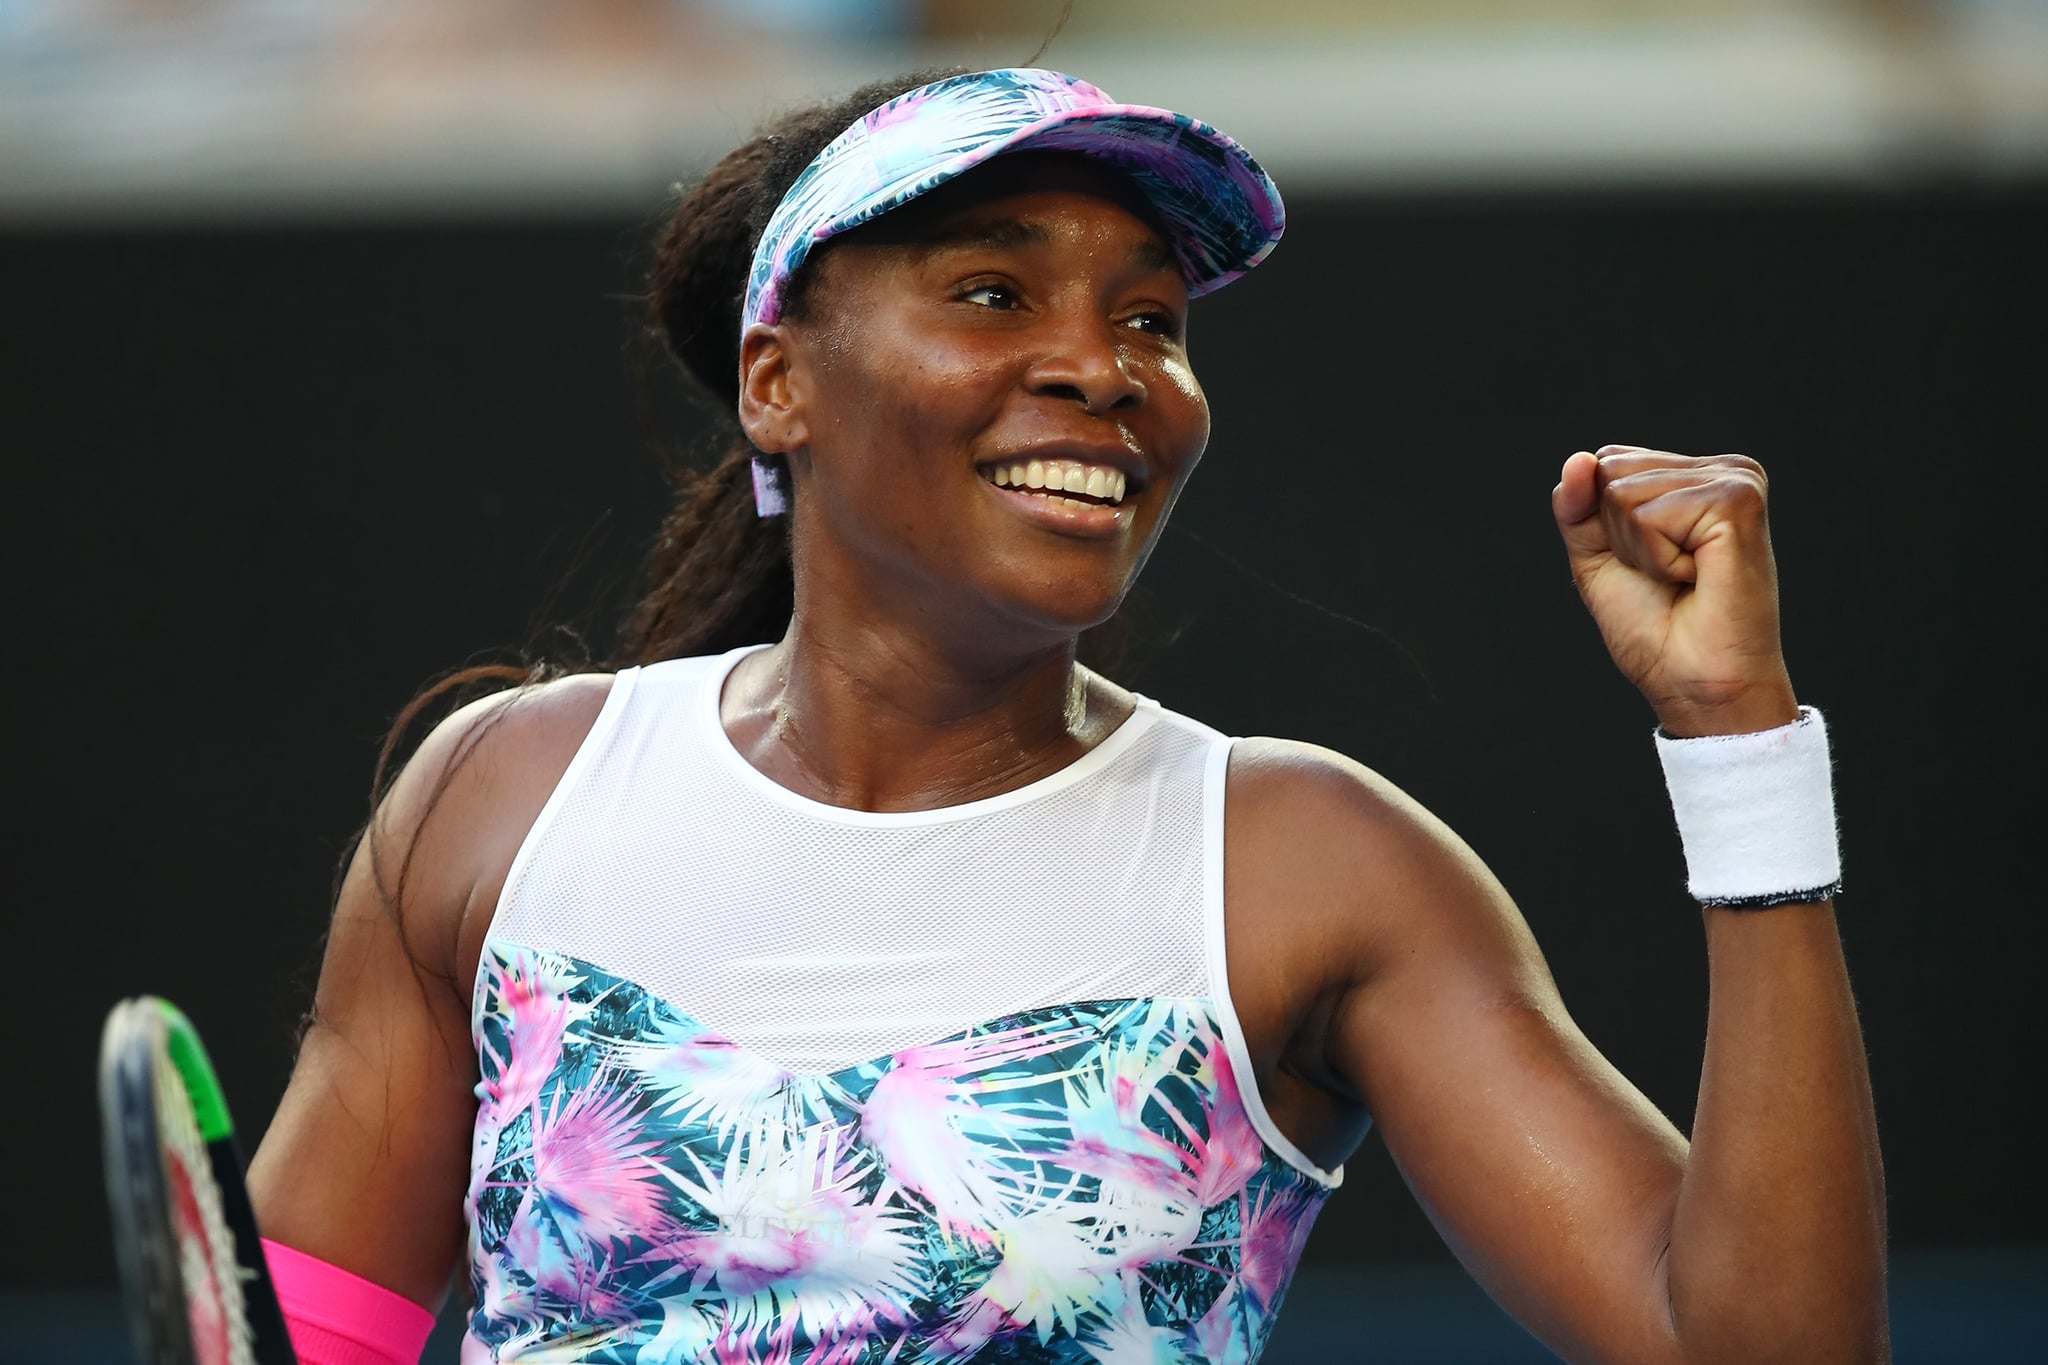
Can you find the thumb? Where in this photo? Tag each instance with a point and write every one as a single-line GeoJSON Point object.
{"type": "Point", "coordinates": [1575, 502]}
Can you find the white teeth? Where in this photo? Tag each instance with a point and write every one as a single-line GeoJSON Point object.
{"type": "Point", "coordinates": [1057, 477]}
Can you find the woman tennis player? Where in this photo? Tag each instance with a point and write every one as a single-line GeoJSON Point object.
{"type": "Point", "coordinates": [856, 979]}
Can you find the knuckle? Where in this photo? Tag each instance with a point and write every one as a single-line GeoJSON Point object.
{"type": "Point", "coordinates": [1744, 494]}
{"type": "Point", "coordinates": [1743, 462]}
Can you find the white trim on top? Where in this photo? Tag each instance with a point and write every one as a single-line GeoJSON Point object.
{"type": "Point", "coordinates": [706, 716]}
{"type": "Point", "coordinates": [1215, 777]}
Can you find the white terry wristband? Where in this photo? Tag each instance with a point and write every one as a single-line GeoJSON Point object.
{"type": "Point", "coordinates": [1756, 814]}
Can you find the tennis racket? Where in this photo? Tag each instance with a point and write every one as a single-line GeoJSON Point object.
{"type": "Point", "coordinates": [192, 1270]}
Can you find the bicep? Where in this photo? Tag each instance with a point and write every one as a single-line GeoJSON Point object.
{"type": "Point", "coordinates": [364, 1164]}
{"type": "Point", "coordinates": [1547, 1172]}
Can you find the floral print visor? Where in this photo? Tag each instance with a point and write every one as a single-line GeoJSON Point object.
{"type": "Point", "coordinates": [1222, 211]}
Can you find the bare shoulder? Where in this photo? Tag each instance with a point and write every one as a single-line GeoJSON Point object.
{"type": "Point", "coordinates": [513, 724]}
{"type": "Point", "coordinates": [1302, 798]}
{"type": "Point", "coordinates": [445, 834]}
{"type": "Point", "coordinates": [1357, 863]}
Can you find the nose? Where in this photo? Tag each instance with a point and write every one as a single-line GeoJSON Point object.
{"type": "Point", "coordinates": [1085, 363]}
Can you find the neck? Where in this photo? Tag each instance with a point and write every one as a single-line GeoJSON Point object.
{"type": "Point", "coordinates": [855, 712]}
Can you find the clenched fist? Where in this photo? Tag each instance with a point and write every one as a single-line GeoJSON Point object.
{"type": "Point", "coordinates": [1672, 554]}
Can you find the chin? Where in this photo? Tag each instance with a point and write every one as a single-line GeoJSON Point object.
{"type": "Point", "coordinates": [1068, 614]}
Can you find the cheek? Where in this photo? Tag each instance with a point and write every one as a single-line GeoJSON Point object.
{"type": "Point", "coordinates": [907, 403]}
{"type": "Point", "coordinates": [1185, 409]}
{"type": "Point", "coordinates": [902, 412]}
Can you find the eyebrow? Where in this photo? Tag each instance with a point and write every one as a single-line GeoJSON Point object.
{"type": "Point", "coordinates": [1009, 234]}
{"type": "Point", "coordinates": [1000, 234]}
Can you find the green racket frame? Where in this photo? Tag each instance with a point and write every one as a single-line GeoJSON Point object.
{"type": "Point", "coordinates": [142, 1036]}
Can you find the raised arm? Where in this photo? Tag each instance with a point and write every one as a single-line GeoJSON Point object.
{"type": "Point", "coordinates": [365, 1165]}
{"type": "Point", "coordinates": [1578, 1205]}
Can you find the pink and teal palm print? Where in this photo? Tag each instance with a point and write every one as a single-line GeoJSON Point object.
{"type": "Point", "coordinates": [1072, 1184]}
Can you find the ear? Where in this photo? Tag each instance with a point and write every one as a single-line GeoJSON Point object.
{"type": "Point", "coordinates": [771, 405]}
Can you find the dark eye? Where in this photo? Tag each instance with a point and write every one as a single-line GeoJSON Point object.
{"type": "Point", "coordinates": [998, 296]}
{"type": "Point", "coordinates": [1158, 322]}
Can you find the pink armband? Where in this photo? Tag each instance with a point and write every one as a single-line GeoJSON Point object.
{"type": "Point", "coordinates": [336, 1318]}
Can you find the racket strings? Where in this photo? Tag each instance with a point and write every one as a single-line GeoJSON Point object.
{"type": "Point", "coordinates": [206, 1247]}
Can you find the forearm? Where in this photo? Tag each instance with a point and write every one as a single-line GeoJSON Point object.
{"type": "Point", "coordinates": [1777, 1245]}
{"type": "Point", "coordinates": [1774, 1246]}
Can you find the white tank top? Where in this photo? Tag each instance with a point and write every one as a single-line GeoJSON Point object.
{"type": "Point", "coordinates": [825, 1084]}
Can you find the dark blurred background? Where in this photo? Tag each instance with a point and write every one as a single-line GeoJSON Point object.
{"type": "Point", "coordinates": [321, 377]}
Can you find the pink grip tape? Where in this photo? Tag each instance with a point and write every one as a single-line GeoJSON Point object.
{"type": "Point", "coordinates": [337, 1318]}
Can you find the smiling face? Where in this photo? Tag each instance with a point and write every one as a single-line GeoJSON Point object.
{"type": "Point", "coordinates": [986, 400]}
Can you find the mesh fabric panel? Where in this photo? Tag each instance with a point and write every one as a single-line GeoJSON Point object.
{"type": "Point", "coordinates": [818, 937]}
